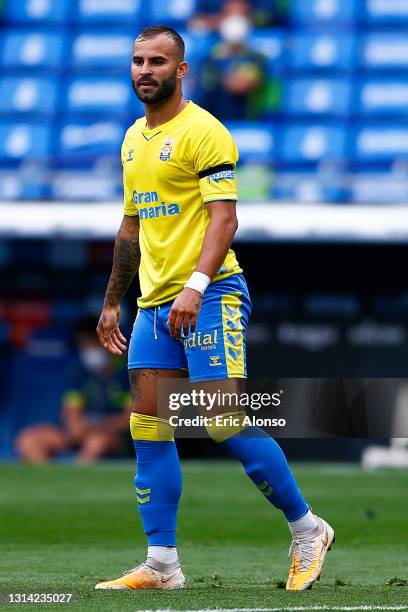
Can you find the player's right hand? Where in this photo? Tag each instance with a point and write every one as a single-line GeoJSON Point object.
{"type": "Point", "coordinates": [109, 333]}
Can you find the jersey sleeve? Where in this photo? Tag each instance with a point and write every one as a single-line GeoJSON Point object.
{"type": "Point", "coordinates": [129, 208]}
{"type": "Point", "coordinates": [215, 159]}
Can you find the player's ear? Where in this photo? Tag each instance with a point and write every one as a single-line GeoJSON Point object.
{"type": "Point", "coordinates": [182, 69]}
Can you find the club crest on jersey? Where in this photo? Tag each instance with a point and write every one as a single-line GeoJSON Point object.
{"type": "Point", "coordinates": [130, 155]}
{"type": "Point", "coordinates": [166, 149]}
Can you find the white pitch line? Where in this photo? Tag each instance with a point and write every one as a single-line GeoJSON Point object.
{"type": "Point", "coordinates": [289, 609]}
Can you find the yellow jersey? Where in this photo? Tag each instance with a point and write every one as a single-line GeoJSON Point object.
{"type": "Point", "coordinates": [170, 173]}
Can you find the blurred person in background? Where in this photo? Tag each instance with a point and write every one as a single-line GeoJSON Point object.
{"type": "Point", "coordinates": [233, 75]}
{"type": "Point", "coordinates": [95, 410]}
{"type": "Point", "coordinates": [396, 454]}
{"type": "Point", "coordinates": [393, 456]}
{"type": "Point", "coordinates": [265, 13]}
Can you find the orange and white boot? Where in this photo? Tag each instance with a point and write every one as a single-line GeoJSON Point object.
{"type": "Point", "coordinates": [149, 575]}
{"type": "Point", "coordinates": [308, 554]}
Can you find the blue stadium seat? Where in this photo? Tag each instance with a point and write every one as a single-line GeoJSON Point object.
{"type": "Point", "coordinates": [33, 11]}
{"type": "Point", "coordinates": [213, 6]}
{"type": "Point", "coordinates": [379, 12]}
{"type": "Point", "coordinates": [255, 141]}
{"type": "Point", "coordinates": [303, 186]}
{"type": "Point", "coordinates": [383, 96]}
{"type": "Point", "coordinates": [28, 95]}
{"type": "Point", "coordinates": [271, 44]}
{"type": "Point", "coordinates": [313, 143]}
{"type": "Point", "coordinates": [102, 50]}
{"type": "Point", "coordinates": [170, 11]}
{"type": "Point", "coordinates": [320, 12]}
{"type": "Point", "coordinates": [385, 50]}
{"type": "Point", "coordinates": [198, 45]}
{"type": "Point", "coordinates": [323, 51]}
{"type": "Point", "coordinates": [43, 37]}
{"type": "Point", "coordinates": [22, 186]}
{"type": "Point", "coordinates": [208, 6]}
{"type": "Point", "coordinates": [80, 185]}
{"type": "Point", "coordinates": [191, 87]}
{"type": "Point", "coordinates": [86, 95]}
{"type": "Point", "coordinates": [136, 109]}
{"type": "Point", "coordinates": [317, 96]}
{"type": "Point", "coordinates": [379, 186]}
{"type": "Point", "coordinates": [386, 143]}
{"type": "Point", "coordinates": [109, 11]}
{"type": "Point", "coordinates": [24, 140]}
{"type": "Point", "coordinates": [90, 139]}
{"type": "Point", "coordinates": [33, 49]}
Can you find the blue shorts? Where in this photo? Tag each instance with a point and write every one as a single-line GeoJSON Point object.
{"type": "Point", "coordinates": [215, 351]}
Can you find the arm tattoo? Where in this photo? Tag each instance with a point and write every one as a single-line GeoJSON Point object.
{"type": "Point", "coordinates": [126, 260]}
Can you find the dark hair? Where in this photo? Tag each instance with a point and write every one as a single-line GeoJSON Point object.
{"type": "Point", "coordinates": [153, 31]}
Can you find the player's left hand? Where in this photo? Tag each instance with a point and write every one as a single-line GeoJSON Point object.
{"type": "Point", "coordinates": [184, 312]}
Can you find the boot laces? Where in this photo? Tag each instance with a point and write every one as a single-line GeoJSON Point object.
{"type": "Point", "coordinates": [306, 552]}
{"type": "Point", "coordinates": [133, 569]}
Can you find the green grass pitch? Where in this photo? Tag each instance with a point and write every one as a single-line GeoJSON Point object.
{"type": "Point", "coordinates": [64, 527]}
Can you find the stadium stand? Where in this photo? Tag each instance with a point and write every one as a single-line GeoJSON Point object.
{"type": "Point", "coordinates": [336, 94]}
{"type": "Point", "coordinates": [330, 127]}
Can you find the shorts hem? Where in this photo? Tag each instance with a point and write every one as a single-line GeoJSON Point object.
{"type": "Point", "coordinates": [156, 366]}
{"type": "Point", "coordinates": [216, 377]}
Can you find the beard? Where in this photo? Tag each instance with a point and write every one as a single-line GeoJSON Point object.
{"type": "Point", "coordinates": [163, 92]}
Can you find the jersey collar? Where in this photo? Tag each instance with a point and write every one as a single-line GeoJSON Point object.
{"type": "Point", "coordinates": [149, 134]}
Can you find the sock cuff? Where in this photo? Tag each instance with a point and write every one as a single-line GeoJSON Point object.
{"type": "Point", "coordinates": [151, 428]}
{"type": "Point", "coordinates": [224, 426]}
{"type": "Point", "coordinates": [164, 568]}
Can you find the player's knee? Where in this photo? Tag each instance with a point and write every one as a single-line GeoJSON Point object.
{"type": "Point", "coordinates": [24, 442]}
{"type": "Point", "coordinates": [142, 384]}
{"type": "Point", "coordinates": [29, 438]}
{"type": "Point", "coordinates": [150, 428]}
{"type": "Point", "coordinates": [223, 426]}
{"type": "Point", "coordinates": [39, 443]}
{"type": "Point", "coordinates": [99, 444]}
{"type": "Point", "coordinates": [143, 406]}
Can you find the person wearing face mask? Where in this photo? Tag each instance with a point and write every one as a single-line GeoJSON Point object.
{"type": "Point", "coordinates": [95, 409]}
{"type": "Point", "coordinates": [265, 13]}
{"type": "Point", "coordinates": [233, 76]}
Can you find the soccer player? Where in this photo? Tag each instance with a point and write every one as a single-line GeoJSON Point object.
{"type": "Point", "coordinates": [179, 221]}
